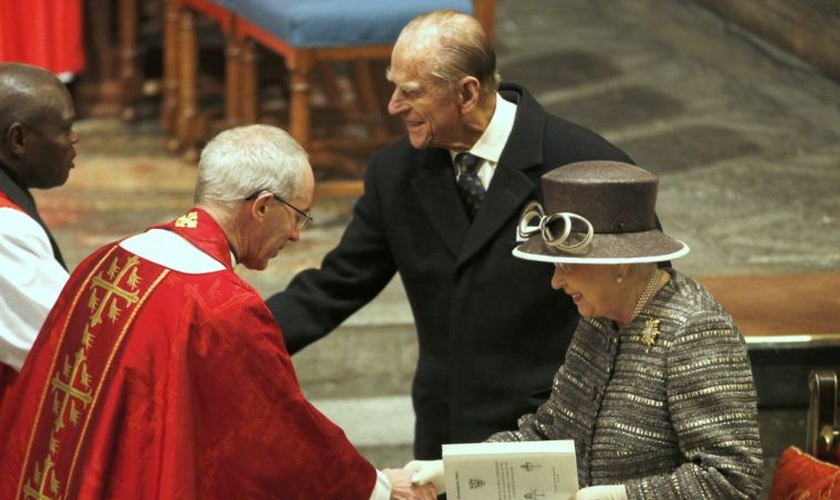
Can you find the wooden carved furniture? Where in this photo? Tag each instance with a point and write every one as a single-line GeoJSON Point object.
{"type": "Point", "coordinates": [823, 428]}
{"type": "Point", "coordinates": [185, 125]}
{"type": "Point", "coordinates": [308, 36]}
{"type": "Point", "coordinates": [815, 471]}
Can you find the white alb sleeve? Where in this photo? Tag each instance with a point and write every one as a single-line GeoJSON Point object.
{"type": "Point", "coordinates": [30, 281]}
{"type": "Point", "coordinates": [381, 488]}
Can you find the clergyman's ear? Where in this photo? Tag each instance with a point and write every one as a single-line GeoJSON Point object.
{"type": "Point", "coordinates": [258, 205]}
{"type": "Point", "coordinates": [16, 138]}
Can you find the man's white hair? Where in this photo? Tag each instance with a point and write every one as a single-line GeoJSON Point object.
{"type": "Point", "coordinates": [242, 161]}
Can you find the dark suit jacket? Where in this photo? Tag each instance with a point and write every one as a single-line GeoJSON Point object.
{"type": "Point", "coordinates": [491, 330]}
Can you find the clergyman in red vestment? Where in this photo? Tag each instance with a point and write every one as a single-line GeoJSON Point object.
{"type": "Point", "coordinates": [161, 374]}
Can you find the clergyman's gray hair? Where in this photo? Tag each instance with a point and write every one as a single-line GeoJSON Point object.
{"type": "Point", "coordinates": [242, 161]}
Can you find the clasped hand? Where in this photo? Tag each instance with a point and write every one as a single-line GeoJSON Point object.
{"type": "Point", "coordinates": [604, 492]}
{"type": "Point", "coordinates": [428, 472]}
{"type": "Point", "coordinates": [403, 488]}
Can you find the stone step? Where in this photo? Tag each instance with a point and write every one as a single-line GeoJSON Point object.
{"type": "Point", "coordinates": [382, 428]}
{"type": "Point", "coordinates": [359, 376]}
{"type": "Point", "coordinates": [391, 457]}
{"type": "Point", "coordinates": [372, 354]}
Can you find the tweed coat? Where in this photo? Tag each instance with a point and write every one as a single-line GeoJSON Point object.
{"type": "Point", "coordinates": [491, 330]}
{"type": "Point", "coordinates": [670, 416]}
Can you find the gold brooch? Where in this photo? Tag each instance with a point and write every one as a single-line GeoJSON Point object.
{"type": "Point", "coordinates": [649, 333]}
{"type": "Point", "coordinates": [189, 220]}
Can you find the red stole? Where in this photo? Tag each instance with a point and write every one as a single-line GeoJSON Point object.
{"type": "Point", "coordinates": [5, 202]}
{"type": "Point", "coordinates": [197, 227]}
{"type": "Point", "coordinates": [149, 383]}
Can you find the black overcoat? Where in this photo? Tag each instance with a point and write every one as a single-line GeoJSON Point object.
{"type": "Point", "coordinates": [491, 330]}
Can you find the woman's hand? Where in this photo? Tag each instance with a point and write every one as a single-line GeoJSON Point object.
{"type": "Point", "coordinates": [428, 471]}
{"type": "Point", "coordinates": [605, 492]}
{"type": "Point", "coordinates": [402, 488]}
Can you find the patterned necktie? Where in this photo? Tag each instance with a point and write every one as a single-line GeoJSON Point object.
{"type": "Point", "coordinates": [469, 184]}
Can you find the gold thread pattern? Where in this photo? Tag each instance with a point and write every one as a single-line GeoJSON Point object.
{"type": "Point", "coordinates": [189, 220]}
{"type": "Point", "coordinates": [110, 293]}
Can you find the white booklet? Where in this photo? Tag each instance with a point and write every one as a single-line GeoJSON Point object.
{"type": "Point", "coordinates": [529, 470]}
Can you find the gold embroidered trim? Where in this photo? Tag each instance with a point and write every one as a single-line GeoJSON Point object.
{"type": "Point", "coordinates": [72, 386]}
{"type": "Point", "coordinates": [189, 220]}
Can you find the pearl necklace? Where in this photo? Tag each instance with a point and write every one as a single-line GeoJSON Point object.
{"type": "Point", "coordinates": [645, 297]}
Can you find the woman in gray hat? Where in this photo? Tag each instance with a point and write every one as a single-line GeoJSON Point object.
{"type": "Point", "coordinates": [656, 390]}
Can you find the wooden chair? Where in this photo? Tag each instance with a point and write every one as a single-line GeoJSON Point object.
{"type": "Point", "coordinates": [322, 31]}
{"type": "Point", "coordinates": [815, 471]}
{"type": "Point", "coordinates": [317, 32]}
{"type": "Point", "coordinates": [185, 125]}
{"type": "Point", "coordinates": [823, 428]}
{"type": "Point", "coordinates": [120, 35]}
{"type": "Point", "coordinates": [307, 50]}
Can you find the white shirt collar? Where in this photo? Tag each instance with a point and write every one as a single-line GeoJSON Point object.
{"type": "Point", "coordinates": [491, 143]}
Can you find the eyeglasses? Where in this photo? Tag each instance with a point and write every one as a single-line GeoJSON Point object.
{"type": "Point", "coordinates": [302, 219]}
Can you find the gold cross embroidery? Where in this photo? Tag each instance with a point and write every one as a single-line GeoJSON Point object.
{"type": "Point", "coordinates": [72, 384]}
{"type": "Point", "coordinates": [69, 393]}
{"type": "Point", "coordinates": [35, 489]}
{"type": "Point", "coordinates": [112, 290]}
{"type": "Point", "coordinates": [189, 220]}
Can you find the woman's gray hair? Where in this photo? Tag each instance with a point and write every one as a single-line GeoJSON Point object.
{"type": "Point", "coordinates": [458, 47]}
{"type": "Point", "coordinates": [242, 161]}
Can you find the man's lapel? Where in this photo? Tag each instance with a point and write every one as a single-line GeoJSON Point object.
{"type": "Point", "coordinates": [434, 186]}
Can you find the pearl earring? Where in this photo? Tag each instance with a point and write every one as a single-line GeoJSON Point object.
{"type": "Point", "coordinates": [619, 279]}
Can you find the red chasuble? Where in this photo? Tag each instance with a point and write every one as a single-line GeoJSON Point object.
{"type": "Point", "coordinates": [149, 383]}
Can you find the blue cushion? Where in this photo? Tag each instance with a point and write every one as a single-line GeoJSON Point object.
{"type": "Point", "coordinates": [337, 23]}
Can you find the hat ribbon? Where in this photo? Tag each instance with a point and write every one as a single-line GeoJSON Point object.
{"type": "Point", "coordinates": [535, 221]}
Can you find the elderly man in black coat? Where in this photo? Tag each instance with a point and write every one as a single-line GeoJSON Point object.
{"type": "Point", "coordinates": [491, 331]}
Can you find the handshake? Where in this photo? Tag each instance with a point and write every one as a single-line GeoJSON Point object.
{"type": "Point", "coordinates": [419, 480]}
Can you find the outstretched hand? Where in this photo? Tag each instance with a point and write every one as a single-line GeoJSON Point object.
{"type": "Point", "coordinates": [428, 471]}
{"type": "Point", "coordinates": [402, 488]}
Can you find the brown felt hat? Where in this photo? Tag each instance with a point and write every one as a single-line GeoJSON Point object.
{"type": "Point", "coordinates": [596, 212]}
